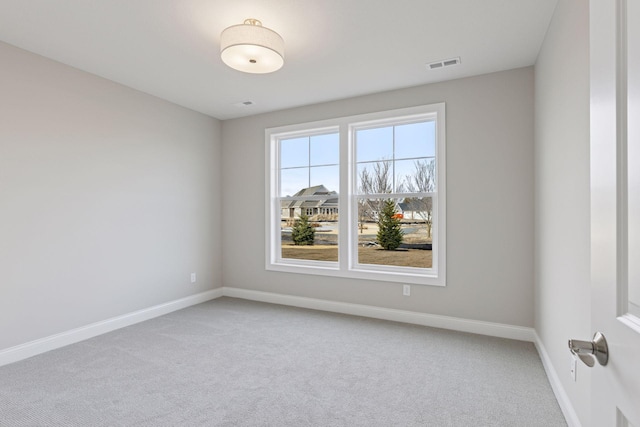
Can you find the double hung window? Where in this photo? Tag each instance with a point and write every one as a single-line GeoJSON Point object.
{"type": "Point", "coordinates": [360, 196]}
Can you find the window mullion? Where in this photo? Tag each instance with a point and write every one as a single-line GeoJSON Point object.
{"type": "Point", "coordinates": [309, 162]}
{"type": "Point", "coordinates": [344, 200]}
{"type": "Point", "coordinates": [394, 188]}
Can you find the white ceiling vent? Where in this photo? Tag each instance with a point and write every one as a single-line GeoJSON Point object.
{"type": "Point", "coordinates": [443, 63]}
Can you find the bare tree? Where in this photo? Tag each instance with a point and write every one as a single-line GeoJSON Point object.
{"type": "Point", "coordinates": [378, 181]}
{"type": "Point", "coordinates": [375, 178]}
{"type": "Point", "coordinates": [423, 180]}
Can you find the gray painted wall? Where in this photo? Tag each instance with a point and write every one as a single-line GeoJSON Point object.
{"type": "Point", "coordinates": [109, 199]}
{"type": "Point", "coordinates": [562, 200]}
{"type": "Point", "coordinates": [489, 202]}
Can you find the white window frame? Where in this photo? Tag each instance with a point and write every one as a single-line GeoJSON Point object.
{"type": "Point", "coordinates": [347, 265]}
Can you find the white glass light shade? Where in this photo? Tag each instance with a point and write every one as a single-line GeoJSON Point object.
{"type": "Point", "coordinates": [252, 48]}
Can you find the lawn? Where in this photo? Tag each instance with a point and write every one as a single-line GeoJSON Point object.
{"type": "Point", "coordinates": [366, 255]}
{"type": "Point", "coordinates": [326, 246]}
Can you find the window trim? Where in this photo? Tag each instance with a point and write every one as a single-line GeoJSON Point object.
{"type": "Point", "coordinates": [347, 265]}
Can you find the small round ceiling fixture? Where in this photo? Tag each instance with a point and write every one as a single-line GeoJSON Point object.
{"type": "Point", "coordinates": [252, 48]}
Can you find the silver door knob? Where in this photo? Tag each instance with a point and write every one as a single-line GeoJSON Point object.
{"type": "Point", "coordinates": [588, 350]}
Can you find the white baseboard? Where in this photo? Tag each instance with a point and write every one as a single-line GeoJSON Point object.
{"type": "Point", "coordinates": [33, 348]}
{"type": "Point", "coordinates": [433, 320]}
{"type": "Point", "coordinates": [569, 412]}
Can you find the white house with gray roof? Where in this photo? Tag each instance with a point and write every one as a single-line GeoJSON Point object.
{"type": "Point", "coordinates": [295, 208]}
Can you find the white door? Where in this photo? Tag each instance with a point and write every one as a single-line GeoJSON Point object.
{"type": "Point", "coordinates": [615, 208]}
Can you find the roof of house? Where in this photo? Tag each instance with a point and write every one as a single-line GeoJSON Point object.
{"type": "Point", "coordinates": [317, 190]}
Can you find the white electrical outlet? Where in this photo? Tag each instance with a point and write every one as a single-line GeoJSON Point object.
{"type": "Point", "coordinates": [193, 277]}
{"type": "Point", "coordinates": [406, 290]}
{"type": "Point", "coordinates": [573, 367]}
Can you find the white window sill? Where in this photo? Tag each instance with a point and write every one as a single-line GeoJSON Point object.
{"type": "Point", "coordinates": [378, 273]}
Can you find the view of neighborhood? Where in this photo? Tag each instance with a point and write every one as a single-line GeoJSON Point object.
{"type": "Point", "coordinates": [394, 163]}
{"type": "Point", "coordinates": [412, 213]}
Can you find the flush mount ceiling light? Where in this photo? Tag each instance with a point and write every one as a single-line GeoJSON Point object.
{"type": "Point", "coordinates": [252, 48]}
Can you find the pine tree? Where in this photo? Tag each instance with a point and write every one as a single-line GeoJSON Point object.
{"type": "Point", "coordinates": [390, 233]}
{"type": "Point", "coordinates": [302, 233]}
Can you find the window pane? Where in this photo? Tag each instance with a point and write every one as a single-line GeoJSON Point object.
{"type": "Point", "coordinates": [293, 180]}
{"type": "Point", "coordinates": [327, 176]}
{"type": "Point", "coordinates": [323, 220]}
{"type": "Point", "coordinates": [413, 217]}
{"type": "Point", "coordinates": [374, 144]}
{"type": "Point", "coordinates": [368, 212]}
{"type": "Point", "coordinates": [294, 152]}
{"type": "Point", "coordinates": [325, 149]}
{"type": "Point", "coordinates": [415, 176]}
{"type": "Point", "coordinates": [374, 178]}
{"type": "Point", "coordinates": [415, 140]}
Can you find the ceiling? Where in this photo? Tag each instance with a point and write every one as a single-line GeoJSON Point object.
{"type": "Point", "coordinates": [334, 49]}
